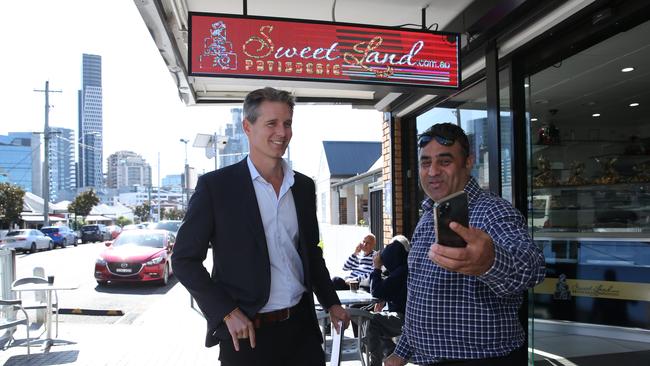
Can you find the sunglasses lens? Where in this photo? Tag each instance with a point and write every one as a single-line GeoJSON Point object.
{"type": "Point", "coordinates": [425, 139]}
{"type": "Point", "coordinates": [443, 140]}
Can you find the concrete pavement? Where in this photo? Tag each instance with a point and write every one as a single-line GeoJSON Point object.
{"type": "Point", "coordinates": [169, 333]}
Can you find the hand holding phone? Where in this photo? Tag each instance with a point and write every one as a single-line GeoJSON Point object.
{"type": "Point", "coordinates": [448, 209]}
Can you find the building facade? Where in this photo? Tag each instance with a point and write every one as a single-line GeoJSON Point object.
{"type": "Point", "coordinates": [173, 182]}
{"type": "Point", "coordinates": [127, 169]}
{"type": "Point", "coordinates": [554, 98]}
{"type": "Point", "coordinates": [90, 130]}
{"type": "Point", "coordinates": [236, 147]}
{"type": "Point", "coordinates": [61, 156]}
{"type": "Point", "coordinates": [20, 161]}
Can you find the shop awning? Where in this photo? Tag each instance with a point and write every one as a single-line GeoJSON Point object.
{"type": "Point", "coordinates": [39, 218]}
{"type": "Point", "coordinates": [98, 218]}
{"type": "Point", "coordinates": [169, 25]}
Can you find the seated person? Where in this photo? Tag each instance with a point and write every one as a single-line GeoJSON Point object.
{"type": "Point", "coordinates": [389, 288]}
{"type": "Point", "coordinates": [360, 263]}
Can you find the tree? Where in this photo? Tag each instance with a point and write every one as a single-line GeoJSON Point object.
{"type": "Point", "coordinates": [83, 203]}
{"type": "Point", "coordinates": [174, 214]}
{"type": "Point", "coordinates": [122, 221]}
{"type": "Point", "coordinates": [11, 204]}
{"type": "Point", "coordinates": [143, 211]}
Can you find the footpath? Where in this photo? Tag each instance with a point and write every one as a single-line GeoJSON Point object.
{"type": "Point", "coordinates": [170, 332]}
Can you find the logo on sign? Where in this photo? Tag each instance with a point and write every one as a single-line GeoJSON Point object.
{"type": "Point", "coordinates": [217, 49]}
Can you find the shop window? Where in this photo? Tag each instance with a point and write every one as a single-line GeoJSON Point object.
{"type": "Point", "coordinates": [589, 202]}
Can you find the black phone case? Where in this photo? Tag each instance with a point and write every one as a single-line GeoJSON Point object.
{"type": "Point", "coordinates": [448, 209]}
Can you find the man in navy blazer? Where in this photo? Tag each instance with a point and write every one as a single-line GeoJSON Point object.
{"type": "Point", "coordinates": [260, 218]}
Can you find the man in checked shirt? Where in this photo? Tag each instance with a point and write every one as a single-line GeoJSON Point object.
{"type": "Point", "coordinates": [462, 303]}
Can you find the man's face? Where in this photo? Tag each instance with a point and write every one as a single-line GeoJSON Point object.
{"type": "Point", "coordinates": [443, 169]}
{"type": "Point", "coordinates": [368, 244]}
{"type": "Point", "coordinates": [270, 135]}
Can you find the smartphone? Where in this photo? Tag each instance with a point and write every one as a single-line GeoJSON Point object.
{"type": "Point", "coordinates": [448, 209]}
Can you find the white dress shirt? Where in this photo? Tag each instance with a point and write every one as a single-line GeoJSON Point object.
{"type": "Point", "coordinates": [280, 222]}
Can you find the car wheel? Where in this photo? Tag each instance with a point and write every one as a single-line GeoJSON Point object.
{"type": "Point", "coordinates": [32, 249]}
{"type": "Point", "coordinates": [165, 277]}
{"type": "Point", "coordinates": [64, 242]}
{"type": "Point", "coordinates": [49, 245]}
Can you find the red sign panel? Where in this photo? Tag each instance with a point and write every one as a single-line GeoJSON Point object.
{"type": "Point", "coordinates": [270, 48]}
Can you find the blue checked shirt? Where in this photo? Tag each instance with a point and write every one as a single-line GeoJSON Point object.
{"type": "Point", "coordinates": [454, 316]}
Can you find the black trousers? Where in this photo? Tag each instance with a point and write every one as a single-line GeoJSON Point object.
{"type": "Point", "coordinates": [518, 357]}
{"type": "Point", "coordinates": [292, 342]}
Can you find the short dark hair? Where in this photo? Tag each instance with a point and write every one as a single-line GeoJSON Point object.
{"type": "Point", "coordinates": [256, 97]}
{"type": "Point", "coordinates": [445, 134]}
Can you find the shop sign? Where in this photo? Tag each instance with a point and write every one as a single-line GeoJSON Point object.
{"type": "Point", "coordinates": [272, 48]}
{"type": "Point", "coordinates": [563, 289]}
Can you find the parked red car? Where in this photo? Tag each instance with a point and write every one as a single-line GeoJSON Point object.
{"type": "Point", "coordinates": [136, 256]}
{"type": "Point", "coordinates": [115, 231]}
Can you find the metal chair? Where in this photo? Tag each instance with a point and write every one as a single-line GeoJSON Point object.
{"type": "Point", "coordinates": [7, 322]}
{"type": "Point", "coordinates": [352, 348]}
{"type": "Point", "coordinates": [38, 302]}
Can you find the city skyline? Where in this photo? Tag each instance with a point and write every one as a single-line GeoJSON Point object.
{"type": "Point", "coordinates": [141, 108]}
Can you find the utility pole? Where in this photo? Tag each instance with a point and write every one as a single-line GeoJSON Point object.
{"type": "Point", "coordinates": [185, 181]}
{"type": "Point", "coordinates": [46, 165]}
{"type": "Point", "coordinates": [159, 218]}
{"type": "Point", "coordinates": [216, 152]}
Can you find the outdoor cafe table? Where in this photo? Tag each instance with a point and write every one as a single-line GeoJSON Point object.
{"type": "Point", "coordinates": [349, 298]}
{"type": "Point", "coordinates": [48, 288]}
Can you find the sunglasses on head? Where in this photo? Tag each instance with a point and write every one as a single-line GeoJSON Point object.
{"type": "Point", "coordinates": [427, 137]}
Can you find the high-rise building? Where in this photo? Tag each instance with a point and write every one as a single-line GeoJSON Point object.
{"type": "Point", "coordinates": [90, 123]}
{"type": "Point", "coordinates": [62, 163]}
{"type": "Point", "coordinates": [20, 161]}
{"type": "Point", "coordinates": [173, 182]}
{"type": "Point", "coordinates": [237, 146]}
{"type": "Point", "coordinates": [127, 169]}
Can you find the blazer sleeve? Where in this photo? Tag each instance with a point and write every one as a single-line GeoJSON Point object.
{"type": "Point", "coordinates": [190, 251]}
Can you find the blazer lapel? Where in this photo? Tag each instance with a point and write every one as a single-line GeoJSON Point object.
{"type": "Point", "coordinates": [251, 207]}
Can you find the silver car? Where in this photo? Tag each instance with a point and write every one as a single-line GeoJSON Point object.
{"type": "Point", "coordinates": [26, 240]}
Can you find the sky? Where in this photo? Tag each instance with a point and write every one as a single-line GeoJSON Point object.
{"type": "Point", "coordinates": [45, 39]}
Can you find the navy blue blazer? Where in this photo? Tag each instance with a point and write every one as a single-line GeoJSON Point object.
{"type": "Point", "coordinates": [223, 211]}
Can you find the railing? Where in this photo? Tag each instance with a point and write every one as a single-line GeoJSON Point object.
{"type": "Point", "coordinates": [7, 276]}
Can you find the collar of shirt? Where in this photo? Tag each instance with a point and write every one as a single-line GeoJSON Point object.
{"type": "Point", "coordinates": [287, 180]}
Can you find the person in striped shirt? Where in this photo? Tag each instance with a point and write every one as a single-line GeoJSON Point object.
{"type": "Point", "coordinates": [359, 263]}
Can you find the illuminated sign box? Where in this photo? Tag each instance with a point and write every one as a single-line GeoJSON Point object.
{"type": "Point", "coordinates": [271, 48]}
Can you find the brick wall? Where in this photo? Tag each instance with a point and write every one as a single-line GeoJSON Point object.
{"type": "Point", "coordinates": [392, 157]}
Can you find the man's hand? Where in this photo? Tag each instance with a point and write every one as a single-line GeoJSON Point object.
{"type": "Point", "coordinates": [240, 327]}
{"type": "Point", "coordinates": [338, 313]}
{"type": "Point", "coordinates": [358, 249]}
{"type": "Point", "coordinates": [379, 306]}
{"type": "Point", "coordinates": [475, 259]}
{"type": "Point", "coordinates": [376, 261]}
{"type": "Point", "coordinates": [394, 360]}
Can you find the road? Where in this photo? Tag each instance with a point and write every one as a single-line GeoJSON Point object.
{"type": "Point", "coordinates": [76, 265]}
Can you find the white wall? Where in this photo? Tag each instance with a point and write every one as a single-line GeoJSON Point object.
{"type": "Point", "coordinates": [340, 241]}
{"type": "Point", "coordinates": [323, 186]}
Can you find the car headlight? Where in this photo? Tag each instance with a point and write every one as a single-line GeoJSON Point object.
{"type": "Point", "coordinates": [101, 261]}
{"type": "Point", "coordinates": [154, 261]}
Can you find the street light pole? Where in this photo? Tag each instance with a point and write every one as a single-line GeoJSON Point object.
{"type": "Point", "coordinates": [186, 185]}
